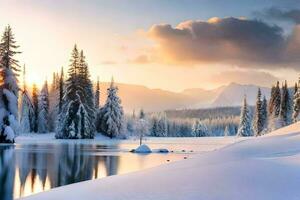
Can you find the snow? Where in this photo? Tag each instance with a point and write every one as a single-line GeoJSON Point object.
{"type": "Point", "coordinates": [265, 167]}
{"type": "Point", "coordinates": [10, 135]}
{"type": "Point", "coordinates": [142, 149]}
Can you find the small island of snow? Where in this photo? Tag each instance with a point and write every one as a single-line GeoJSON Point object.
{"type": "Point", "coordinates": [142, 149]}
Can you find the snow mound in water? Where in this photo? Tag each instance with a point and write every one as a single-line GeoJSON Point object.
{"type": "Point", "coordinates": [142, 149]}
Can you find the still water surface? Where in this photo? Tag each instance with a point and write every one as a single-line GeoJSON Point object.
{"type": "Point", "coordinates": [27, 169]}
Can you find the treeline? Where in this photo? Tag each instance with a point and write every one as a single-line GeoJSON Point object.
{"type": "Point", "coordinates": [281, 110]}
{"type": "Point", "coordinates": [69, 106]}
{"type": "Point", "coordinates": [160, 125]}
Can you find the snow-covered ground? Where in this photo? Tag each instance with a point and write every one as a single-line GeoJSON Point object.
{"type": "Point", "coordinates": [260, 168]}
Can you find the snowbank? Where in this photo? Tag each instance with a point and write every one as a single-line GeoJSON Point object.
{"type": "Point", "coordinates": [261, 168]}
{"type": "Point", "coordinates": [142, 149]}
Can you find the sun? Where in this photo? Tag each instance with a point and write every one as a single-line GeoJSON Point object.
{"type": "Point", "coordinates": [34, 78]}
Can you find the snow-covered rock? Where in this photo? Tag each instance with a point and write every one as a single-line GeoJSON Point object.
{"type": "Point", "coordinates": [9, 133]}
{"type": "Point", "coordinates": [142, 149]}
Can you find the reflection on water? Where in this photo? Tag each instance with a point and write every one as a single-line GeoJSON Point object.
{"type": "Point", "coordinates": [30, 168]}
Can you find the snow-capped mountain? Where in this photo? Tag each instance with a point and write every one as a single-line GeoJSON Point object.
{"type": "Point", "coordinates": [233, 94]}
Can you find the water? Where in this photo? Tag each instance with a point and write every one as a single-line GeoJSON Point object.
{"type": "Point", "coordinates": [30, 168]}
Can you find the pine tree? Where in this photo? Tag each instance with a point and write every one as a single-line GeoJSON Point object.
{"type": "Point", "coordinates": [199, 129]}
{"type": "Point", "coordinates": [244, 126]}
{"type": "Point", "coordinates": [275, 108]}
{"type": "Point", "coordinates": [35, 102]}
{"type": "Point", "coordinates": [77, 116]}
{"type": "Point", "coordinates": [61, 90]}
{"type": "Point", "coordinates": [9, 89]}
{"type": "Point", "coordinates": [26, 109]}
{"type": "Point", "coordinates": [112, 113]}
{"type": "Point", "coordinates": [97, 95]}
{"type": "Point", "coordinates": [258, 124]}
{"type": "Point", "coordinates": [87, 107]}
{"type": "Point", "coordinates": [296, 107]}
{"type": "Point", "coordinates": [43, 110]}
{"type": "Point", "coordinates": [264, 114]}
{"type": "Point", "coordinates": [227, 131]}
{"type": "Point", "coordinates": [285, 106]}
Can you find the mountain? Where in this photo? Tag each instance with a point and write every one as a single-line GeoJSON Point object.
{"type": "Point", "coordinates": [135, 97]}
{"type": "Point", "coordinates": [233, 94]}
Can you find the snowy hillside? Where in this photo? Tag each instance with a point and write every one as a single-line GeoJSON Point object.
{"type": "Point", "coordinates": [233, 94]}
{"type": "Point", "coordinates": [263, 168]}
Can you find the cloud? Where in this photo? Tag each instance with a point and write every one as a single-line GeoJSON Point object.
{"type": "Point", "coordinates": [279, 14]}
{"type": "Point", "coordinates": [236, 41]}
{"type": "Point", "coordinates": [245, 77]}
{"type": "Point", "coordinates": [140, 59]}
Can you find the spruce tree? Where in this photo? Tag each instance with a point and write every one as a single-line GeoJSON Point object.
{"type": "Point", "coordinates": [285, 106]}
{"type": "Point", "coordinates": [43, 110]}
{"type": "Point", "coordinates": [61, 90]}
{"type": "Point", "coordinates": [264, 114]}
{"type": "Point", "coordinates": [258, 124]}
{"type": "Point", "coordinates": [274, 104]}
{"type": "Point", "coordinates": [35, 102]}
{"type": "Point", "coordinates": [26, 109]}
{"type": "Point", "coordinates": [227, 131]}
{"type": "Point", "coordinates": [77, 116]}
{"type": "Point", "coordinates": [296, 103]}
{"type": "Point", "coordinates": [9, 89]}
{"type": "Point", "coordinates": [244, 126]}
{"type": "Point", "coordinates": [112, 113]}
{"type": "Point", "coordinates": [97, 95]}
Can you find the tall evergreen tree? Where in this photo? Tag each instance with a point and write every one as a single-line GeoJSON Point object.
{"type": "Point", "coordinates": [43, 110]}
{"type": "Point", "coordinates": [274, 119]}
{"type": "Point", "coordinates": [61, 90]}
{"type": "Point", "coordinates": [112, 113]}
{"type": "Point", "coordinates": [97, 95]}
{"type": "Point", "coordinates": [285, 106]}
{"type": "Point", "coordinates": [296, 103]}
{"type": "Point", "coordinates": [264, 114]}
{"type": "Point", "coordinates": [26, 109]}
{"type": "Point", "coordinates": [35, 102]}
{"type": "Point", "coordinates": [258, 123]}
{"type": "Point", "coordinates": [9, 89]}
{"type": "Point", "coordinates": [76, 119]}
{"type": "Point", "coordinates": [245, 121]}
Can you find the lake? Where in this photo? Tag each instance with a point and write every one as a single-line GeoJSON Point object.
{"type": "Point", "coordinates": [31, 167]}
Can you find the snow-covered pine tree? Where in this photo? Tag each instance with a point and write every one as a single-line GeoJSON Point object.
{"type": "Point", "coordinates": [76, 119]}
{"type": "Point", "coordinates": [227, 131]}
{"type": "Point", "coordinates": [271, 101]}
{"type": "Point", "coordinates": [112, 113]}
{"type": "Point", "coordinates": [61, 90]}
{"type": "Point", "coordinates": [245, 121]}
{"type": "Point", "coordinates": [296, 102]}
{"type": "Point", "coordinates": [87, 108]}
{"type": "Point", "coordinates": [68, 119]}
{"type": "Point", "coordinates": [9, 89]}
{"type": "Point", "coordinates": [285, 106]}
{"type": "Point", "coordinates": [274, 122]}
{"type": "Point", "coordinates": [43, 110]}
{"type": "Point", "coordinates": [264, 115]}
{"type": "Point", "coordinates": [199, 129]}
{"type": "Point", "coordinates": [97, 95]}
{"type": "Point", "coordinates": [26, 109]}
{"type": "Point", "coordinates": [258, 124]}
{"type": "Point", "coordinates": [35, 103]}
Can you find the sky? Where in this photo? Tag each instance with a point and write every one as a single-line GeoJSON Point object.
{"type": "Point", "coordinates": [166, 44]}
